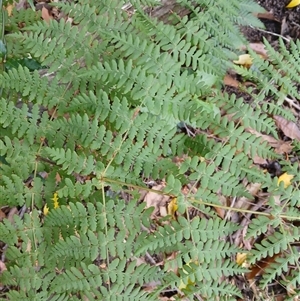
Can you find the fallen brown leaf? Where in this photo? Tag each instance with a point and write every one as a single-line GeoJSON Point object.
{"type": "Point", "coordinates": [157, 200]}
{"type": "Point", "coordinates": [11, 214]}
{"type": "Point", "coordinates": [259, 48]}
{"type": "Point", "coordinates": [259, 268]}
{"type": "Point", "coordinates": [258, 160]}
{"type": "Point", "coordinates": [280, 146]}
{"type": "Point", "coordinates": [45, 14]}
{"type": "Point", "coordinates": [221, 211]}
{"type": "Point", "coordinates": [2, 269]}
{"type": "Point", "coordinates": [2, 215]}
{"type": "Point", "coordinates": [289, 128]}
{"type": "Point", "coordinates": [267, 16]}
{"type": "Point", "coordinates": [2, 266]}
{"type": "Point", "coordinates": [57, 178]}
{"type": "Point", "coordinates": [230, 81]}
{"type": "Point", "coordinates": [283, 147]}
{"type": "Point", "coordinates": [271, 140]}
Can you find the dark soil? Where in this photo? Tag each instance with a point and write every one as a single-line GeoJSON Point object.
{"type": "Point", "coordinates": [280, 21]}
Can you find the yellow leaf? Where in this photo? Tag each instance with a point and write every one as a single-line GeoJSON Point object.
{"type": "Point", "coordinates": [241, 258]}
{"type": "Point", "coordinates": [183, 286]}
{"type": "Point", "coordinates": [190, 283]}
{"type": "Point", "coordinates": [172, 207]}
{"type": "Point", "coordinates": [244, 59]}
{"type": "Point", "coordinates": [46, 210]}
{"type": "Point", "coordinates": [286, 179]}
{"type": "Point", "coordinates": [9, 9]}
{"type": "Point", "coordinates": [293, 3]}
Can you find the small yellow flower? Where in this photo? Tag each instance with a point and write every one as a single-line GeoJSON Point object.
{"type": "Point", "coordinates": [55, 204]}
{"type": "Point", "coordinates": [55, 200]}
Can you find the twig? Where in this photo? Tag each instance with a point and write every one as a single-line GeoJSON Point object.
{"type": "Point", "coordinates": [294, 23]}
{"type": "Point", "coordinates": [229, 211]}
{"type": "Point", "coordinates": [292, 103]}
{"type": "Point", "coordinates": [272, 33]}
{"type": "Point", "coordinates": [150, 258]}
{"type": "Point", "coordinates": [22, 211]}
{"type": "Point", "coordinates": [188, 131]}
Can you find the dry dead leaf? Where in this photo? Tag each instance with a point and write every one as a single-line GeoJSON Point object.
{"type": "Point", "coordinates": [266, 15]}
{"type": "Point", "coordinates": [45, 14]}
{"type": "Point", "coordinates": [163, 211]}
{"type": "Point", "coordinates": [11, 214]}
{"type": "Point", "coordinates": [2, 266]}
{"type": "Point", "coordinates": [245, 203]}
{"type": "Point", "coordinates": [259, 48]}
{"type": "Point", "coordinates": [280, 146]}
{"type": "Point", "coordinates": [2, 215]}
{"type": "Point", "coordinates": [2, 269]}
{"type": "Point", "coordinates": [259, 160]}
{"type": "Point", "coordinates": [276, 199]}
{"type": "Point", "coordinates": [157, 200]}
{"type": "Point", "coordinates": [284, 147]}
{"type": "Point", "coordinates": [230, 81]}
{"type": "Point", "coordinates": [221, 211]}
{"type": "Point", "coordinates": [259, 268]}
{"type": "Point", "coordinates": [271, 140]}
{"type": "Point", "coordinates": [256, 159]}
{"type": "Point", "coordinates": [150, 286]}
{"type": "Point", "coordinates": [289, 128]}
{"type": "Point", "coordinates": [57, 178]}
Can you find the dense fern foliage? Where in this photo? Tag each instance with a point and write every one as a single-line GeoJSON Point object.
{"type": "Point", "coordinates": [92, 108]}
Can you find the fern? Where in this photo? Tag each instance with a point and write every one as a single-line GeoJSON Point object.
{"type": "Point", "coordinates": [102, 113]}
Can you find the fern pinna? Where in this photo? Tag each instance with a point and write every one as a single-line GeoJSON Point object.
{"type": "Point", "coordinates": [97, 114]}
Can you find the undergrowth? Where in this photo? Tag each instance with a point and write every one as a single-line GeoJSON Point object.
{"type": "Point", "coordinates": [97, 105]}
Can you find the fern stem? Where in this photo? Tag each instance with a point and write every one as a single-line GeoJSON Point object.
{"type": "Point", "coordinates": [105, 228]}
{"type": "Point", "coordinates": [200, 202]}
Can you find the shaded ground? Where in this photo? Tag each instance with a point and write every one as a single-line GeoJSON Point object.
{"type": "Point", "coordinates": [278, 20]}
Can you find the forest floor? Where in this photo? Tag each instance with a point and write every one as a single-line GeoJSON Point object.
{"type": "Point", "coordinates": [284, 23]}
{"type": "Point", "coordinates": [278, 20]}
{"type": "Point", "coordinates": [281, 22]}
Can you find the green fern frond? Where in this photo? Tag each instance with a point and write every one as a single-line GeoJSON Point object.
{"type": "Point", "coordinates": [280, 266]}
{"type": "Point", "coordinates": [260, 225]}
{"type": "Point", "coordinates": [274, 244]}
{"type": "Point", "coordinates": [198, 230]}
